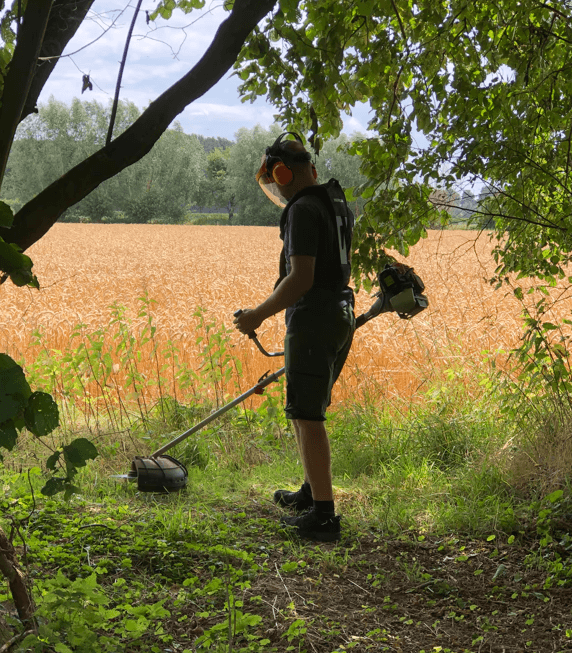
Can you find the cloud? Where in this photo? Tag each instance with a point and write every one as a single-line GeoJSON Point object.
{"type": "Point", "coordinates": [159, 55]}
{"type": "Point", "coordinates": [246, 113]}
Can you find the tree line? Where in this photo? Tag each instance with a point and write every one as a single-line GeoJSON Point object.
{"type": "Point", "coordinates": [182, 174]}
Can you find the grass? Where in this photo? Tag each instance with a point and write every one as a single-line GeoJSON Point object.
{"type": "Point", "coordinates": [429, 511]}
{"type": "Point", "coordinates": [447, 514]}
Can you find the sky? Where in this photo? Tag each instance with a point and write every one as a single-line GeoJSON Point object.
{"type": "Point", "coordinates": [159, 54]}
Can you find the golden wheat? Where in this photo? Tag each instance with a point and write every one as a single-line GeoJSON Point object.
{"type": "Point", "coordinates": [84, 269]}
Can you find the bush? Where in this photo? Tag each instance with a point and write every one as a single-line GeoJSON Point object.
{"type": "Point", "coordinates": [207, 218]}
{"type": "Point", "coordinates": [74, 218]}
{"type": "Point", "coordinates": [116, 217]}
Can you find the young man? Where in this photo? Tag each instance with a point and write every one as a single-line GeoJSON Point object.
{"type": "Point", "coordinates": [316, 227]}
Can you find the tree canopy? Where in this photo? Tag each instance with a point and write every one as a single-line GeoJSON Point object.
{"type": "Point", "coordinates": [58, 137]}
{"type": "Point", "coordinates": [488, 85]}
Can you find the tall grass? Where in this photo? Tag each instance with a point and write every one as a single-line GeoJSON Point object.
{"type": "Point", "coordinates": [419, 435]}
{"type": "Point", "coordinates": [429, 462]}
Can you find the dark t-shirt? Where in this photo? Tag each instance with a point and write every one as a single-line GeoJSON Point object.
{"type": "Point", "coordinates": [309, 228]}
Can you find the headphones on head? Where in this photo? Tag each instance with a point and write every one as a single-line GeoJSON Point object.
{"type": "Point", "coordinates": [279, 159]}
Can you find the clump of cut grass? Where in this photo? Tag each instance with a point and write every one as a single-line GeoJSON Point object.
{"type": "Point", "coordinates": [538, 459]}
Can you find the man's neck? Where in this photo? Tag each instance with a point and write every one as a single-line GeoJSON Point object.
{"type": "Point", "coordinates": [301, 185]}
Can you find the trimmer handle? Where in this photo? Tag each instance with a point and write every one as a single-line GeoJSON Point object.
{"type": "Point", "coordinates": [252, 334]}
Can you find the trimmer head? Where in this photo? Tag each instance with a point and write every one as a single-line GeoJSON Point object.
{"type": "Point", "coordinates": [159, 474]}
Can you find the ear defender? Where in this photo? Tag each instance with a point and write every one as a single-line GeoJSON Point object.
{"type": "Point", "coordinates": [282, 174]}
{"type": "Point", "coordinates": [278, 157]}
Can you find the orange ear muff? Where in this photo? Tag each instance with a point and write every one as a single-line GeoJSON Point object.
{"type": "Point", "coordinates": [314, 171]}
{"type": "Point", "coordinates": [282, 174]}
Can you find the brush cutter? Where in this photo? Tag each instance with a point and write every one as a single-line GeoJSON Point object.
{"type": "Point", "coordinates": [401, 292]}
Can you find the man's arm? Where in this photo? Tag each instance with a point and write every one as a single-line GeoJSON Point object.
{"type": "Point", "coordinates": [288, 292]}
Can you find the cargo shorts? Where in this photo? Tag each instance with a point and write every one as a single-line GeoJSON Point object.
{"type": "Point", "coordinates": [315, 350]}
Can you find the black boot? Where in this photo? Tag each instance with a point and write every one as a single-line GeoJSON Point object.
{"type": "Point", "coordinates": [299, 501]}
{"type": "Point", "coordinates": [315, 526]}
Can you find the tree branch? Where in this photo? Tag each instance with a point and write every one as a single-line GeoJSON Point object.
{"type": "Point", "coordinates": [10, 570]}
{"type": "Point", "coordinates": [120, 75]}
{"type": "Point", "coordinates": [20, 72]}
{"type": "Point", "coordinates": [37, 217]}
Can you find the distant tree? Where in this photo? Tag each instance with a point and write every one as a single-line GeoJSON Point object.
{"type": "Point", "coordinates": [252, 205]}
{"type": "Point", "coordinates": [244, 160]}
{"type": "Point", "coordinates": [211, 143]}
{"type": "Point", "coordinates": [157, 188]}
{"type": "Point", "coordinates": [56, 138]}
{"type": "Point", "coordinates": [334, 160]}
{"type": "Point", "coordinates": [163, 184]}
{"type": "Point", "coordinates": [214, 189]}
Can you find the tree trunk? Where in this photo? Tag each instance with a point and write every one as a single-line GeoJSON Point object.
{"type": "Point", "coordinates": [65, 18]}
{"type": "Point", "coordinates": [20, 73]}
{"type": "Point", "coordinates": [11, 571]}
{"type": "Point", "coordinates": [37, 217]}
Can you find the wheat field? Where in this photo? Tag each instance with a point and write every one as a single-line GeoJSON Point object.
{"type": "Point", "coordinates": [84, 269]}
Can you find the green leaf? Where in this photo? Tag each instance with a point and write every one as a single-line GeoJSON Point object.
{"type": "Point", "coordinates": [62, 648]}
{"type": "Point", "coordinates": [54, 486]}
{"type": "Point", "coordinates": [17, 265]}
{"type": "Point", "coordinates": [8, 435]}
{"type": "Point", "coordinates": [78, 452]}
{"type": "Point", "coordinates": [554, 496]}
{"type": "Point", "coordinates": [52, 461]}
{"type": "Point", "coordinates": [69, 491]}
{"type": "Point", "coordinates": [41, 415]}
{"type": "Point", "coordinates": [6, 215]}
{"type": "Point", "coordinates": [14, 389]}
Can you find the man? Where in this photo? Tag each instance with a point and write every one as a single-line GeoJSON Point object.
{"type": "Point", "coordinates": [316, 227]}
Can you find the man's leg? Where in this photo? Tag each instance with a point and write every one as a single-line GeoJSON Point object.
{"type": "Point", "coordinates": [301, 499]}
{"type": "Point", "coordinates": [315, 452]}
{"type": "Point", "coordinates": [300, 450]}
{"type": "Point", "coordinates": [320, 523]}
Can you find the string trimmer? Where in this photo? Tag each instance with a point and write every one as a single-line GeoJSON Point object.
{"type": "Point", "coordinates": [401, 291]}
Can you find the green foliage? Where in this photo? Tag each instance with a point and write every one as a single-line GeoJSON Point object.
{"type": "Point", "coordinates": [485, 87]}
{"type": "Point", "coordinates": [214, 189]}
{"type": "Point", "coordinates": [336, 161]}
{"type": "Point", "coordinates": [166, 7]}
{"type": "Point", "coordinates": [39, 414]}
{"type": "Point", "coordinates": [252, 205]}
{"type": "Point", "coordinates": [13, 263]}
{"type": "Point", "coordinates": [157, 188]}
{"type": "Point", "coordinates": [211, 143]}
{"type": "Point", "coordinates": [6, 215]}
{"type": "Point", "coordinates": [16, 265]}
{"type": "Point", "coordinates": [75, 617]}
{"type": "Point", "coordinates": [207, 218]}
{"type": "Point", "coordinates": [7, 41]}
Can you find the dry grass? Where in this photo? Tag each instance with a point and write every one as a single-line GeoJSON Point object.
{"type": "Point", "coordinates": [83, 269]}
{"type": "Point", "coordinates": [539, 458]}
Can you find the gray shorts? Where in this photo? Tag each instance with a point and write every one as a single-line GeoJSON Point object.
{"type": "Point", "coordinates": [315, 350]}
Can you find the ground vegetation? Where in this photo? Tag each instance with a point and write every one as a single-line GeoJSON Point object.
{"type": "Point", "coordinates": [486, 85]}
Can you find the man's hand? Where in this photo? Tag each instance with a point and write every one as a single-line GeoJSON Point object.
{"type": "Point", "coordinates": [248, 321]}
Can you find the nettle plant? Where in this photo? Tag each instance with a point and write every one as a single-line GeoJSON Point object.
{"type": "Point", "coordinates": [37, 412]}
{"type": "Point", "coordinates": [20, 407]}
